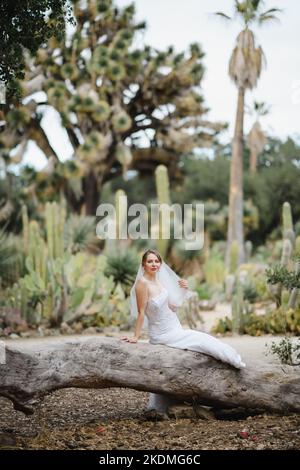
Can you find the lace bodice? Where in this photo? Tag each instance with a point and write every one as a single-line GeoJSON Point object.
{"type": "Point", "coordinates": [161, 318]}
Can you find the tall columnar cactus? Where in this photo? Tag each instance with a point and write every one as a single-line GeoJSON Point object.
{"type": "Point", "coordinates": [55, 222]}
{"type": "Point", "coordinates": [238, 309]}
{"type": "Point", "coordinates": [292, 303]}
{"type": "Point", "coordinates": [248, 250]}
{"type": "Point", "coordinates": [163, 197]}
{"type": "Point", "coordinates": [290, 246]}
{"type": "Point", "coordinates": [25, 222]}
{"type": "Point", "coordinates": [234, 250]}
{"type": "Point", "coordinates": [24, 302]}
{"type": "Point", "coordinates": [230, 278]}
{"type": "Point", "coordinates": [286, 254]}
{"type": "Point", "coordinates": [295, 294]}
{"type": "Point", "coordinates": [37, 251]}
{"type": "Point", "coordinates": [297, 245]}
{"type": "Point", "coordinates": [287, 220]}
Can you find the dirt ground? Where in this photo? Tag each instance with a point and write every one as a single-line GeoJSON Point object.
{"type": "Point", "coordinates": [114, 419]}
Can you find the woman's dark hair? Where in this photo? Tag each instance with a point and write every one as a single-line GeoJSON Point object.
{"type": "Point", "coordinates": [148, 252]}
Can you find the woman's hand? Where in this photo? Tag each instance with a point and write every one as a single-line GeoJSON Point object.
{"type": "Point", "coordinates": [183, 283]}
{"type": "Point", "coordinates": [173, 307]}
{"type": "Point", "coordinates": [133, 339]}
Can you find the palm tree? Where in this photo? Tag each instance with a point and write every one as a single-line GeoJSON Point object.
{"type": "Point", "coordinates": [245, 67]}
{"type": "Point", "coordinates": [256, 139]}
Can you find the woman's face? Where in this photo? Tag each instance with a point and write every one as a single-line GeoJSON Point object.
{"type": "Point", "coordinates": [152, 263]}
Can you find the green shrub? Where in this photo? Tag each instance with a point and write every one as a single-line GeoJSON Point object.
{"type": "Point", "coordinates": [274, 322]}
{"type": "Point", "coordinates": [203, 291]}
{"type": "Point", "coordinates": [287, 350]}
{"type": "Point", "coordinates": [123, 266]}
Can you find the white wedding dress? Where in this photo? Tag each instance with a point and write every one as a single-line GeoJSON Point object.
{"type": "Point", "coordinates": [164, 327]}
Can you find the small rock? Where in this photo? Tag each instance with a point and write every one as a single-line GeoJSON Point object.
{"type": "Point", "coordinates": [7, 441]}
{"type": "Point", "coordinates": [203, 413]}
{"type": "Point", "coordinates": [207, 305]}
{"type": "Point", "coordinates": [260, 447]}
{"type": "Point", "coordinates": [72, 445]}
{"type": "Point", "coordinates": [40, 332]}
{"type": "Point", "coordinates": [14, 336]}
{"type": "Point", "coordinates": [77, 327]}
{"type": "Point", "coordinates": [91, 330]}
{"type": "Point", "coordinates": [111, 329]}
{"type": "Point", "coordinates": [154, 415]}
{"type": "Point", "coordinates": [181, 411]}
{"type": "Point", "coordinates": [25, 334]}
{"type": "Point", "coordinates": [65, 329]}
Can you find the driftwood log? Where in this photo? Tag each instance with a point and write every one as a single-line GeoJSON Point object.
{"type": "Point", "coordinates": [34, 369]}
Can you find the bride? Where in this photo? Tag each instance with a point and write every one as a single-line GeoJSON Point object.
{"type": "Point", "coordinates": [155, 296]}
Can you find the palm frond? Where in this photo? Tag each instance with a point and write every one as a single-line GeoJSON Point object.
{"type": "Point", "coordinates": [272, 11]}
{"type": "Point", "coordinates": [241, 7]}
{"type": "Point", "coordinates": [223, 15]}
{"type": "Point", "coordinates": [255, 4]}
{"type": "Point", "coordinates": [264, 19]}
{"type": "Point", "coordinates": [80, 233]}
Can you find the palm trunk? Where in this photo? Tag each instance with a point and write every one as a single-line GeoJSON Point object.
{"type": "Point", "coordinates": [253, 162]}
{"type": "Point", "coordinates": [235, 217]}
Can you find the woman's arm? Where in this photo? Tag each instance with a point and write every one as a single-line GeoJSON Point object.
{"type": "Point", "coordinates": [141, 299]}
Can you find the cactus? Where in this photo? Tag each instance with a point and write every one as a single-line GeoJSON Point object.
{"type": "Point", "coordinates": [234, 251]}
{"type": "Point", "coordinates": [24, 301]}
{"type": "Point", "coordinates": [25, 223]}
{"type": "Point", "coordinates": [229, 286]}
{"type": "Point", "coordinates": [237, 307]}
{"type": "Point", "coordinates": [290, 245]}
{"type": "Point", "coordinates": [295, 292]}
{"type": "Point", "coordinates": [124, 156]}
{"type": "Point", "coordinates": [286, 252]}
{"type": "Point", "coordinates": [55, 221]}
{"type": "Point", "coordinates": [287, 220]}
{"type": "Point", "coordinates": [163, 196]}
{"type": "Point", "coordinates": [297, 246]}
{"type": "Point", "coordinates": [37, 251]}
{"type": "Point", "coordinates": [49, 303]}
{"type": "Point", "coordinates": [248, 250]}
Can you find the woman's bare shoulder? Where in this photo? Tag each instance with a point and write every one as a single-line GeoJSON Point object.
{"type": "Point", "coordinates": [142, 285]}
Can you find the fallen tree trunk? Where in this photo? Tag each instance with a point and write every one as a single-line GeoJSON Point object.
{"type": "Point", "coordinates": [34, 369]}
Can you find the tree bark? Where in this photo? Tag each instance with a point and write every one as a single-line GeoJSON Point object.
{"type": "Point", "coordinates": [253, 162]}
{"type": "Point", "coordinates": [33, 369]}
{"type": "Point", "coordinates": [37, 133]}
{"type": "Point", "coordinates": [91, 191]}
{"type": "Point", "coordinates": [235, 229]}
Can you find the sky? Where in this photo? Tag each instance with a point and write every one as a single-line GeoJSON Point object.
{"type": "Point", "coordinates": [182, 22]}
